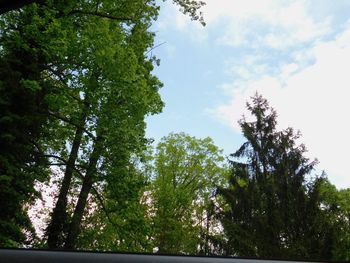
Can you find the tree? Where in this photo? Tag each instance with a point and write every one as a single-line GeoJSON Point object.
{"type": "Point", "coordinates": [336, 206]}
{"type": "Point", "coordinates": [114, 89]}
{"type": "Point", "coordinates": [272, 210]}
{"type": "Point", "coordinates": [87, 76]}
{"type": "Point", "coordinates": [188, 7]}
{"type": "Point", "coordinates": [120, 222]}
{"type": "Point", "coordinates": [186, 172]}
{"type": "Point", "coordinates": [23, 119]}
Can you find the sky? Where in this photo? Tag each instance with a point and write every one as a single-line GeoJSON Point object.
{"type": "Point", "coordinates": [295, 53]}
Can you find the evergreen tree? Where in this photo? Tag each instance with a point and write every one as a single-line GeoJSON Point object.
{"type": "Point", "coordinates": [273, 211]}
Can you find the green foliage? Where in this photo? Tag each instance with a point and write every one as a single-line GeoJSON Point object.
{"type": "Point", "coordinates": [76, 85]}
{"type": "Point", "coordinates": [111, 88]}
{"type": "Point", "coordinates": [117, 220]}
{"type": "Point", "coordinates": [62, 61]}
{"type": "Point", "coordinates": [191, 8]}
{"type": "Point", "coordinates": [336, 205]}
{"type": "Point", "coordinates": [273, 211]}
{"type": "Point", "coordinates": [22, 123]}
{"type": "Point", "coordinates": [186, 173]}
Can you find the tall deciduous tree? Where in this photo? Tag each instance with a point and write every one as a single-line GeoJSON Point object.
{"type": "Point", "coordinates": [186, 172]}
{"type": "Point", "coordinates": [114, 89]}
{"type": "Point", "coordinates": [273, 211]}
{"type": "Point", "coordinates": [84, 69]}
{"type": "Point", "coordinates": [120, 222]}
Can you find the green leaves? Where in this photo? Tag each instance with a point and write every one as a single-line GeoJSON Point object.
{"type": "Point", "coordinates": [186, 173]}
{"type": "Point", "coordinates": [271, 209]}
{"type": "Point", "coordinates": [191, 8]}
{"type": "Point", "coordinates": [335, 206]}
{"type": "Point", "coordinates": [76, 85]}
{"type": "Point", "coordinates": [31, 85]}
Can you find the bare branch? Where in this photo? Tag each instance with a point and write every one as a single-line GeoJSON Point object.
{"type": "Point", "coordinates": [56, 157]}
{"type": "Point", "coordinates": [155, 47]}
{"type": "Point", "coordinates": [64, 162]}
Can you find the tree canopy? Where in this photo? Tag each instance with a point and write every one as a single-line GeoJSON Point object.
{"type": "Point", "coordinates": [187, 171]}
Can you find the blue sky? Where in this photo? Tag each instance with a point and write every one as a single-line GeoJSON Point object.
{"type": "Point", "coordinates": [295, 53]}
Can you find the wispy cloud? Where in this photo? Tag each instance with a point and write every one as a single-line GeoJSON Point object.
{"type": "Point", "coordinates": [272, 23]}
{"type": "Point", "coordinates": [314, 99]}
{"type": "Point", "coordinates": [295, 52]}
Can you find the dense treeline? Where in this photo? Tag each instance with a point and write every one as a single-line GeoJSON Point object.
{"type": "Point", "coordinates": [76, 84]}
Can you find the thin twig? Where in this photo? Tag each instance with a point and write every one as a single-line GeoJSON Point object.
{"type": "Point", "coordinates": [155, 47]}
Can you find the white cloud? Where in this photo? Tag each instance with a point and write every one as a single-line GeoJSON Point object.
{"type": "Point", "coordinates": [247, 67]}
{"type": "Point", "coordinates": [313, 99]}
{"type": "Point", "coordinates": [171, 18]}
{"type": "Point", "coordinates": [271, 23]}
{"type": "Point", "coordinates": [307, 86]}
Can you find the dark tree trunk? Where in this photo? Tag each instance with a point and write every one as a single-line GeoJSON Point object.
{"type": "Point", "coordinates": [74, 227]}
{"type": "Point", "coordinates": [58, 221]}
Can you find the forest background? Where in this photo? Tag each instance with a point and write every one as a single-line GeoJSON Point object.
{"type": "Point", "coordinates": [76, 86]}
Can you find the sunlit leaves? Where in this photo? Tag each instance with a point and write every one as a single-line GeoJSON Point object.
{"type": "Point", "coordinates": [187, 170]}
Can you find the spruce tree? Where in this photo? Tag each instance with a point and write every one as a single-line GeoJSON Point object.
{"type": "Point", "coordinates": [273, 210]}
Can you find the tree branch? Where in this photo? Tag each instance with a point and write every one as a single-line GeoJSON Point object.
{"type": "Point", "coordinates": [64, 162]}
{"type": "Point", "coordinates": [100, 200]}
{"type": "Point", "coordinates": [59, 75]}
{"type": "Point", "coordinates": [96, 193]}
{"type": "Point", "coordinates": [70, 122]}
{"type": "Point", "coordinates": [104, 15]}
{"type": "Point", "coordinates": [155, 47]}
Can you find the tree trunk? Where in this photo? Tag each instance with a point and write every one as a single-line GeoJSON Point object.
{"type": "Point", "coordinates": [55, 229]}
{"type": "Point", "coordinates": [74, 227]}
{"type": "Point", "coordinates": [207, 228]}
